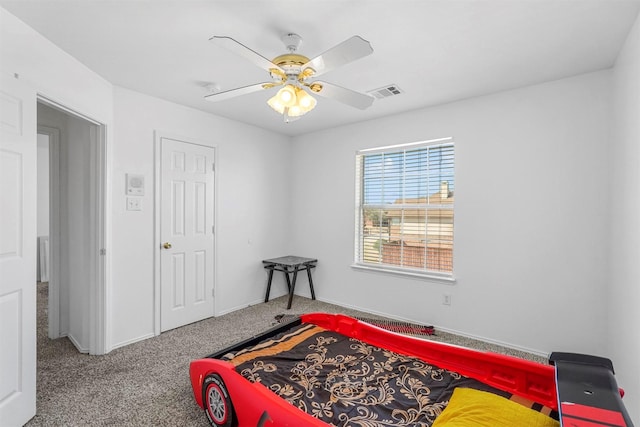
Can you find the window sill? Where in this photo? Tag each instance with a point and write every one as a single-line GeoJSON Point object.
{"type": "Point", "coordinates": [405, 273]}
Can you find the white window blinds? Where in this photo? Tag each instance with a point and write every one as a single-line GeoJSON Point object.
{"type": "Point", "coordinates": [404, 207]}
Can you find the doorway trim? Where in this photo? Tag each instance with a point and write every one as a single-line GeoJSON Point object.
{"type": "Point", "coordinates": [54, 229]}
{"type": "Point", "coordinates": [158, 136]}
{"type": "Point", "coordinates": [99, 297]}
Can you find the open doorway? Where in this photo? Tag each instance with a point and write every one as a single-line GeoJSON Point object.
{"type": "Point", "coordinates": [48, 216]}
{"type": "Point", "coordinates": [70, 227]}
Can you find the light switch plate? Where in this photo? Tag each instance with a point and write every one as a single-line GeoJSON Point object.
{"type": "Point", "coordinates": [134, 204]}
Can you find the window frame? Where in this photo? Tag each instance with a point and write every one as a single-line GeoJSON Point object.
{"type": "Point", "coordinates": [360, 208]}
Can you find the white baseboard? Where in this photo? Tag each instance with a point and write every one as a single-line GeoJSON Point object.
{"type": "Point", "coordinates": [241, 307]}
{"type": "Point", "coordinates": [132, 340]}
{"type": "Point", "coordinates": [77, 344]}
{"type": "Point", "coordinates": [447, 330]}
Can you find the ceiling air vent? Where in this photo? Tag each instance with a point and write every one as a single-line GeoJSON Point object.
{"type": "Point", "coordinates": [385, 91]}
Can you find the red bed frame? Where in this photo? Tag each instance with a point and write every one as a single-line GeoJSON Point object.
{"type": "Point", "coordinates": [232, 400]}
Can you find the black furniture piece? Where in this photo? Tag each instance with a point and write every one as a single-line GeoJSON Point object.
{"type": "Point", "coordinates": [290, 265]}
{"type": "Point", "coordinates": [585, 381]}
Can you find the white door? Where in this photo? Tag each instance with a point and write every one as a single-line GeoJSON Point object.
{"type": "Point", "coordinates": [18, 159]}
{"type": "Point", "coordinates": [186, 233]}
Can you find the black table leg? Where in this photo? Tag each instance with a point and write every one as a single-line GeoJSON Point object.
{"type": "Point", "coordinates": [286, 276]}
{"type": "Point", "coordinates": [293, 286]}
{"type": "Point", "coordinates": [266, 297]}
{"type": "Point", "coordinates": [313, 294]}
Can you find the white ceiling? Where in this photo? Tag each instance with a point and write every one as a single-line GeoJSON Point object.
{"type": "Point", "coordinates": [435, 51]}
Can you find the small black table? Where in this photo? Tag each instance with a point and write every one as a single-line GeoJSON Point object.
{"type": "Point", "coordinates": [290, 265]}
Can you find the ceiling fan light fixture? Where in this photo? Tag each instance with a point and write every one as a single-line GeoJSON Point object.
{"type": "Point", "coordinates": [287, 96]}
{"type": "Point", "coordinates": [295, 111]}
{"type": "Point", "coordinates": [275, 103]}
{"type": "Point", "coordinates": [292, 101]}
{"type": "Point", "coordinates": [289, 115]}
{"type": "Point", "coordinates": [305, 101]}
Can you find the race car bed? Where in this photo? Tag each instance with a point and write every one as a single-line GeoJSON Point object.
{"type": "Point", "coordinates": [324, 369]}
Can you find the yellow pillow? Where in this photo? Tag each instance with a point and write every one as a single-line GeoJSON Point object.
{"type": "Point", "coordinates": [474, 408]}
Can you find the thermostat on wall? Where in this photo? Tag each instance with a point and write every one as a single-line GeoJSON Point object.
{"type": "Point", "coordinates": [135, 185]}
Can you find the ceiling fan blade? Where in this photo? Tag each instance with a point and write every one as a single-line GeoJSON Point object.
{"type": "Point", "coordinates": [349, 50]}
{"type": "Point", "coordinates": [244, 51]}
{"type": "Point", "coordinates": [346, 96]}
{"type": "Point", "coordinates": [232, 93]}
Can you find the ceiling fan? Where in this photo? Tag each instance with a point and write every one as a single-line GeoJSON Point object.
{"type": "Point", "coordinates": [296, 74]}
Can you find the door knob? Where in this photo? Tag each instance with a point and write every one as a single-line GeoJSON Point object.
{"type": "Point", "coordinates": [166, 245]}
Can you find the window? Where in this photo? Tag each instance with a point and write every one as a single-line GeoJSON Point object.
{"type": "Point", "coordinates": [404, 208]}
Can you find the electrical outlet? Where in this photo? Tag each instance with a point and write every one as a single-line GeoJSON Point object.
{"type": "Point", "coordinates": [446, 299]}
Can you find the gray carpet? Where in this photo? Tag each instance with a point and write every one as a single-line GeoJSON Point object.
{"type": "Point", "coordinates": [147, 383]}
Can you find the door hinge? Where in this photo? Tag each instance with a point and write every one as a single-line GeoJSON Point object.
{"type": "Point", "coordinates": [213, 292]}
{"type": "Point", "coordinates": [103, 251]}
{"type": "Point", "coordinates": [213, 167]}
{"type": "Point", "coordinates": [213, 229]}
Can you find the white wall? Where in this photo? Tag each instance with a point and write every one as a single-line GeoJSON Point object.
{"type": "Point", "coordinates": [531, 218]}
{"type": "Point", "coordinates": [43, 185]}
{"type": "Point", "coordinates": [42, 214]}
{"type": "Point", "coordinates": [253, 192]}
{"type": "Point", "coordinates": [76, 213]}
{"type": "Point", "coordinates": [623, 282]}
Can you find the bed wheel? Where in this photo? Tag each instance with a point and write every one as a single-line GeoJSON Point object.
{"type": "Point", "coordinates": [217, 403]}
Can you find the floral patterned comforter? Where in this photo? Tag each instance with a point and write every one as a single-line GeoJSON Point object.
{"type": "Point", "coordinates": [346, 382]}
